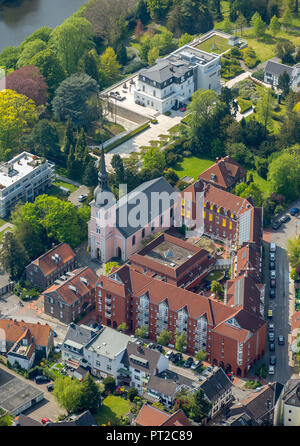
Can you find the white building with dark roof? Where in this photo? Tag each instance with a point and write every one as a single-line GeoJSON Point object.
{"type": "Point", "coordinates": [171, 81]}
{"type": "Point", "coordinates": [273, 71]}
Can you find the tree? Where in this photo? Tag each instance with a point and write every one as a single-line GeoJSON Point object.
{"type": "Point", "coordinates": [164, 338]}
{"type": "Point", "coordinates": [261, 166]}
{"type": "Point", "coordinates": [254, 191]}
{"type": "Point", "coordinates": [69, 140]}
{"type": "Point", "coordinates": [217, 288]}
{"type": "Point", "coordinates": [145, 48]}
{"type": "Point", "coordinates": [254, 17]}
{"type": "Point", "coordinates": [293, 251]}
{"type": "Point", "coordinates": [259, 27]}
{"type": "Point", "coordinates": [72, 39]}
{"type": "Point", "coordinates": [17, 115]}
{"type": "Point", "coordinates": [240, 153]}
{"type": "Point", "coordinates": [50, 67]}
{"type": "Point", "coordinates": [201, 406]}
{"type": "Point", "coordinates": [9, 57]}
{"type": "Point", "coordinates": [163, 41]}
{"type": "Point", "coordinates": [264, 110]}
{"type": "Point", "coordinates": [284, 83]}
{"type": "Point", "coordinates": [141, 12]}
{"type": "Point", "coordinates": [241, 22]}
{"type": "Point", "coordinates": [157, 8]}
{"type": "Point", "coordinates": [141, 332]}
{"type": "Point", "coordinates": [284, 49]}
{"type": "Point", "coordinates": [227, 26]}
{"type": "Point", "coordinates": [154, 158]}
{"type": "Point", "coordinates": [68, 393]}
{"type": "Point", "coordinates": [274, 26]}
{"type": "Point", "coordinates": [90, 65]}
{"type": "Point", "coordinates": [44, 141]}
{"type": "Point", "coordinates": [34, 241]}
{"type": "Point", "coordinates": [13, 257]}
{"type": "Point", "coordinates": [109, 384]}
{"type": "Point", "coordinates": [90, 174]}
{"type": "Point", "coordinates": [284, 176]}
{"type": "Point", "coordinates": [110, 265]}
{"type": "Point", "coordinates": [180, 344]}
{"type": "Point", "coordinates": [132, 393]}
{"type": "Point", "coordinates": [185, 39]}
{"type": "Point", "coordinates": [29, 51]}
{"type": "Point", "coordinates": [29, 82]}
{"type": "Point", "coordinates": [200, 355]}
{"type": "Point", "coordinates": [90, 394]}
{"type": "Point", "coordinates": [153, 54]}
{"type": "Point", "coordinates": [81, 153]}
{"type": "Point", "coordinates": [139, 30]}
{"type": "Point", "coordinates": [171, 176]}
{"type": "Point", "coordinates": [123, 327]}
{"type": "Point", "coordinates": [287, 19]}
{"type": "Point", "coordinates": [109, 65]}
{"type": "Point", "coordinates": [74, 100]}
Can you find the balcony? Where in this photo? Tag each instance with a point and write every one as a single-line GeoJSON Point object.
{"type": "Point", "coordinates": [108, 315]}
{"type": "Point", "coordinates": [108, 300]}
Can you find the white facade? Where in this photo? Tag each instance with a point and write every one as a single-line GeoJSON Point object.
{"type": "Point", "coordinates": [23, 362]}
{"type": "Point", "coordinates": [140, 378]}
{"type": "Point", "coordinates": [291, 415]}
{"type": "Point", "coordinates": [23, 178]}
{"type": "Point", "coordinates": [173, 80]}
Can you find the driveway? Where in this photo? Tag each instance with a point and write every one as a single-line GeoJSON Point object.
{"type": "Point", "coordinates": [73, 197]}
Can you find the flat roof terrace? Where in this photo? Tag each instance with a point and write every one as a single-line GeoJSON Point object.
{"type": "Point", "coordinates": [170, 253]}
{"type": "Point", "coordinates": [17, 168]}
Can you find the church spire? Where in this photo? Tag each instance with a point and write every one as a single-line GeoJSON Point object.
{"type": "Point", "coordinates": [102, 175]}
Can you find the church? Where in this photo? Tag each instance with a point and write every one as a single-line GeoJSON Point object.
{"type": "Point", "coordinates": [121, 228]}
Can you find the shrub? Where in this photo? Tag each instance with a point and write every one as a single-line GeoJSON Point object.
{"type": "Point", "coordinates": [167, 113]}
{"type": "Point", "coordinates": [132, 393]}
{"type": "Point", "coordinates": [124, 138]}
{"type": "Point", "coordinates": [252, 384]}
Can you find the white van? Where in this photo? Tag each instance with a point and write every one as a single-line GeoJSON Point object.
{"type": "Point", "coordinates": [272, 247]}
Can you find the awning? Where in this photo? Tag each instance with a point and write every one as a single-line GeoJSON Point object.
{"type": "Point", "coordinates": [124, 372]}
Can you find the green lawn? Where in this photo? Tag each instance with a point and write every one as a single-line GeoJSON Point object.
{"type": "Point", "coordinates": [68, 186]}
{"type": "Point", "coordinates": [215, 44]}
{"type": "Point", "coordinates": [261, 183]}
{"type": "Point", "coordinates": [2, 222]}
{"type": "Point", "coordinates": [192, 167]}
{"type": "Point", "coordinates": [215, 275]}
{"type": "Point", "coordinates": [112, 409]}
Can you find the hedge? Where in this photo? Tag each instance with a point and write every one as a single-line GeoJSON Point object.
{"type": "Point", "coordinates": [123, 139]}
{"type": "Point", "coordinates": [244, 104]}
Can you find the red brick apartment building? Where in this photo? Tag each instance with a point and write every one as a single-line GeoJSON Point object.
{"type": "Point", "coordinates": [224, 174]}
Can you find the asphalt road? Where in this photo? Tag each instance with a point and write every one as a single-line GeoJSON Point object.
{"type": "Point", "coordinates": [280, 305]}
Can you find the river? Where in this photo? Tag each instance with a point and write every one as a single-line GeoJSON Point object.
{"type": "Point", "coordinates": [22, 17]}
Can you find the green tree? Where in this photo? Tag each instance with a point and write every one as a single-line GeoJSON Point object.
{"type": "Point", "coordinates": [119, 171]}
{"type": "Point", "coordinates": [264, 110]}
{"type": "Point", "coordinates": [227, 26]}
{"type": "Point", "coordinates": [164, 338]}
{"type": "Point", "coordinates": [254, 17]}
{"type": "Point", "coordinates": [121, 54]}
{"type": "Point", "coordinates": [185, 39]}
{"type": "Point", "coordinates": [109, 384]}
{"type": "Point", "coordinates": [141, 332]}
{"type": "Point", "coordinates": [109, 65]}
{"type": "Point", "coordinates": [74, 100]}
{"type": "Point", "coordinates": [201, 355]}
{"type": "Point", "coordinates": [71, 39]}
{"type": "Point", "coordinates": [217, 288]}
{"type": "Point", "coordinates": [181, 341]}
{"type": "Point", "coordinates": [34, 241]}
{"type": "Point", "coordinates": [123, 327]}
{"type": "Point", "coordinates": [240, 153]}
{"type": "Point", "coordinates": [142, 12]}
{"type": "Point", "coordinates": [51, 68]}
{"type": "Point", "coordinates": [171, 176]}
{"type": "Point", "coordinates": [287, 18]}
{"type": "Point", "coordinates": [154, 158]}
{"type": "Point", "coordinates": [73, 167]}
{"type": "Point", "coordinates": [132, 393]}
{"type": "Point", "coordinates": [69, 140]}
{"type": "Point", "coordinates": [29, 51]}
{"type": "Point", "coordinates": [157, 8]}
{"type": "Point", "coordinates": [90, 65]}
{"type": "Point", "coordinates": [284, 176]}
{"type": "Point", "coordinates": [44, 140]}
{"type": "Point", "coordinates": [13, 257]}
{"type": "Point", "coordinates": [110, 265]}
{"type": "Point", "coordinates": [251, 190]}
{"type": "Point", "coordinates": [284, 81]}
{"type": "Point", "coordinates": [9, 57]}
{"type": "Point", "coordinates": [90, 174]}
{"type": "Point", "coordinates": [241, 22]}
{"type": "Point", "coordinates": [274, 26]}
{"type": "Point", "coordinates": [153, 54]}
{"type": "Point", "coordinates": [68, 393]}
{"type": "Point", "coordinates": [145, 48]}
{"type": "Point", "coordinates": [293, 251]}
{"type": "Point", "coordinates": [259, 27]}
{"type": "Point", "coordinates": [201, 406]}
{"type": "Point", "coordinates": [90, 394]}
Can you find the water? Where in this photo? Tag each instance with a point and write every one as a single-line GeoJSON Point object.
{"type": "Point", "coordinates": [22, 17]}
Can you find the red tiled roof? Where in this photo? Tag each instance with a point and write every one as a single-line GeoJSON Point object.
{"type": "Point", "coordinates": [248, 258]}
{"type": "Point", "coordinates": [250, 293]}
{"type": "Point", "coordinates": [14, 330]}
{"type": "Point", "coordinates": [248, 322]}
{"type": "Point", "coordinates": [48, 265]}
{"type": "Point", "coordinates": [67, 294]}
{"type": "Point", "coordinates": [227, 172]}
{"type": "Point", "coordinates": [151, 416]}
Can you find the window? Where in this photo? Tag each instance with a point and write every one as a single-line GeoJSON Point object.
{"type": "Point", "coordinates": [143, 233]}
{"type": "Point", "coordinates": [171, 212]}
{"type": "Point", "coordinates": [108, 367]}
{"type": "Point", "coordinates": [51, 310]}
{"type": "Point", "coordinates": [161, 220]}
{"type": "Point", "coordinates": [133, 240]}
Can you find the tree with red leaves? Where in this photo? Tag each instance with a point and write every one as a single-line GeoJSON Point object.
{"type": "Point", "coordinates": [29, 82]}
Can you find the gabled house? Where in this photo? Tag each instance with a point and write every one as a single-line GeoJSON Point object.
{"type": "Point", "coordinates": [77, 337]}
{"type": "Point", "coordinates": [23, 351]}
{"type": "Point", "coordinates": [225, 174]}
{"type": "Point", "coordinates": [151, 416]}
{"type": "Point", "coordinates": [72, 296]}
{"type": "Point", "coordinates": [217, 388]}
{"type": "Point", "coordinates": [47, 268]}
{"type": "Point", "coordinates": [273, 70]}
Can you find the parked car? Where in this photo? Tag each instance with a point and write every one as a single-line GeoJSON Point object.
{"type": "Point", "coordinates": [271, 370]}
{"type": "Point", "coordinates": [176, 358]}
{"type": "Point", "coordinates": [42, 379]}
{"type": "Point", "coordinates": [271, 336]}
{"type": "Point", "coordinates": [169, 354]}
{"type": "Point", "coordinates": [272, 266]}
{"type": "Point", "coordinates": [151, 345]}
{"type": "Point", "coordinates": [45, 420]}
{"type": "Point", "coordinates": [195, 365]}
{"type": "Point", "coordinates": [272, 347]}
{"type": "Point", "coordinates": [294, 211]}
{"type": "Point", "coordinates": [272, 293]}
{"type": "Point", "coordinates": [273, 283]}
{"type": "Point", "coordinates": [285, 219]}
{"type": "Point", "coordinates": [57, 349]}
{"type": "Point", "coordinates": [50, 387]}
{"type": "Point", "coordinates": [272, 257]}
{"type": "Point", "coordinates": [182, 109]}
{"type": "Point", "coordinates": [272, 359]}
{"type": "Point", "coordinates": [270, 314]}
{"type": "Point", "coordinates": [272, 247]}
{"type": "Point", "coordinates": [188, 363]}
{"type": "Point", "coordinates": [280, 340]}
{"type": "Point", "coordinates": [230, 376]}
{"type": "Point", "coordinates": [273, 274]}
{"type": "Point", "coordinates": [276, 224]}
{"type": "Point", "coordinates": [271, 326]}
{"type": "Point", "coordinates": [82, 197]}
{"type": "Point", "coordinates": [54, 334]}
{"type": "Point", "coordinates": [140, 342]}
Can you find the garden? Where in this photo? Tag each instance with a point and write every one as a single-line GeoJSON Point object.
{"type": "Point", "coordinates": [215, 275]}
{"type": "Point", "coordinates": [215, 44]}
{"type": "Point", "coordinates": [113, 410]}
{"type": "Point", "coordinates": [192, 167]}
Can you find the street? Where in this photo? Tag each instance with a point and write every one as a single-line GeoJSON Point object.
{"type": "Point", "coordinates": [283, 304]}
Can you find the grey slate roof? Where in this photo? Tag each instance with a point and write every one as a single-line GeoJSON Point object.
{"type": "Point", "coordinates": [80, 334]}
{"type": "Point", "coordinates": [216, 385]}
{"type": "Point", "coordinates": [157, 185]}
{"type": "Point", "coordinates": [84, 419]}
{"type": "Point", "coordinates": [292, 393]}
{"type": "Point", "coordinates": [164, 70]}
{"type": "Point", "coordinates": [167, 382]}
{"type": "Point", "coordinates": [277, 69]}
{"type": "Point", "coordinates": [145, 353]}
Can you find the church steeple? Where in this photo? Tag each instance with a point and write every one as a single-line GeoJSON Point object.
{"type": "Point", "coordinates": [102, 180]}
